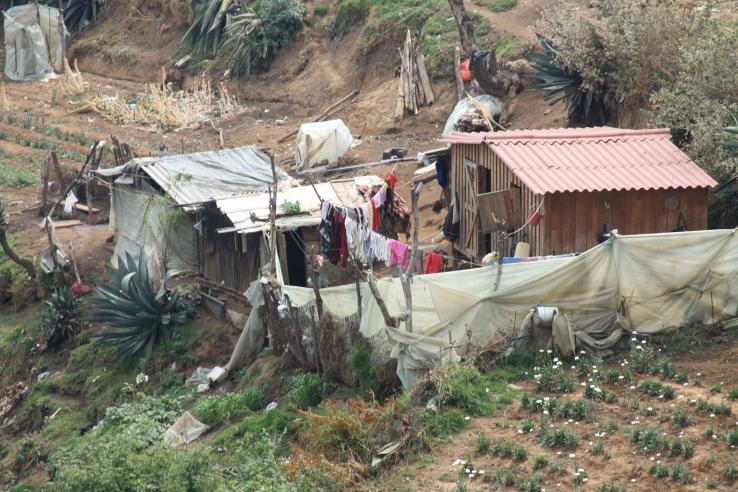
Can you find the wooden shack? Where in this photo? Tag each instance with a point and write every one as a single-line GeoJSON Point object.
{"type": "Point", "coordinates": [562, 190]}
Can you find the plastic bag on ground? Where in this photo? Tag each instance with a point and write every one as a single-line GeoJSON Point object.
{"type": "Point", "coordinates": [185, 430]}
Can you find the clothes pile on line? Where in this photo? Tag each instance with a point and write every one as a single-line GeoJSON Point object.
{"type": "Point", "coordinates": [368, 232]}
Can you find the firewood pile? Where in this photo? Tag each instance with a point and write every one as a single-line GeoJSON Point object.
{"type": "Point", "coordinates": [415, 89]}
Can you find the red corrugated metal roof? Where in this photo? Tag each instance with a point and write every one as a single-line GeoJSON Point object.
{"type": "Point", "coordinates": [591, 159]}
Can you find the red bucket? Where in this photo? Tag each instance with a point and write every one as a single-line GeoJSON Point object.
{"type": "Point", "coordinates": [534, 217]}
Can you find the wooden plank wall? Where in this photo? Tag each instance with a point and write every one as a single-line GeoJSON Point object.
{"type": "Point", "coordinates": [502, 178]}
{"type": "Point", "coordinates": [222, 256]}
{"type": "Point", "coordinates": [575, 219]}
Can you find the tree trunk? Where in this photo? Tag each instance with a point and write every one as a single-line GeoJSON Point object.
{"type": "Point", "coordinates": [466, 26]}
{"type": "Point", "coordinates": [457, 74]}
{"type": "Point", "coordinates": [24, 262]}
{"type": "Point", "coordinates": [483, 74]}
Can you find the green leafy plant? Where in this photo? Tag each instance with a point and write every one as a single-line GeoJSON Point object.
{"type": "Point", "coordinates": [650, 440]}
{"type": "Point", "coordinates": [680, 473]}
{"type": "Point", "coordinates": [682, 418]}
{"type": "Point", "coordinates": [307, 389]}
{"type": "Point", "coordinates": [140, 318]}
{"type": "Point", "coordinates": [681, 446]}
{"type": "Point", "coordinates": [557, 437]}
{"type": "Point", "coordinates": [61, 317]}
{"type": "Point", "coordinates": [216, 409]}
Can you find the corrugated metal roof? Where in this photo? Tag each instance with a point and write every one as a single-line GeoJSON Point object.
{"type": "Point", "coordinates": [239, 210]}
{"type": "Point", "coordinates": [592, 159]}
{"type": "Point", "coordinates": [205, 176]}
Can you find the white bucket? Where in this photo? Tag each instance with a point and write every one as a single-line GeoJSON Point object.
{"type": "Point", "coordinates": [546, 314]}
{"type": "Point", "coordinates": [522, 250]}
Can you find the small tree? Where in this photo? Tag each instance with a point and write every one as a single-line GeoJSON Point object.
{"type": "Point", "coordinates": [23, 262]}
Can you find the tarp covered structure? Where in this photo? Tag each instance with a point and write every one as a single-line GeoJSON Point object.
{"type": "Point", "coordinates": [322, 142]}
{"type": "Point", "coordinates": [145, 191]}
{"type": "Point", "coordinates": [35, 42]}
{"type": "Point", "coordinates": [647, 283]}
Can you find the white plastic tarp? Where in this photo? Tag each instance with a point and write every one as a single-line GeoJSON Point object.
{"type": "Point", "coordinates": [185, 430]}
{"type": "Point", "coordinates": [663, 281]}
{"type": "Point", "coordinates": [465, 107]}
{"type": "Point", "coordinates": [34, 42]}
{"type": "Point", "coordinates": [322, 142]}
{"type": "Point", "coordinates": [144, 223]}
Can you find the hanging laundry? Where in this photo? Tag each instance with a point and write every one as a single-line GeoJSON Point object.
{"type": "Point", "coordinates": [434, 263]}
{"type": "Point", "coordinates": [442, 171]}
{"type": "Point", "coordinates": [400, 252]}
{"type": "Point", "coordinates": [392, 180]}
{"type": "Point", "coordinates": [338, 246]}
{"type": "Point", "coordinates": [380, 248]}
{"type": "Point", "coordinates": [376, 217]}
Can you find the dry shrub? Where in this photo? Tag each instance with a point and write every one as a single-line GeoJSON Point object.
{"type": "Point", "coordinates": [484, 355]}
{"type": "Point", "coordinates": [165, 108]}
{"type": "Point", "coordinates": [4, 101]}
{"type": "Point", "coordinates": [337, 336]}
{"type": "Point", "coordinates": [345, 439]}
{"type": "Point", "coordinates": [72, 83]}
{"type": "Point", "coordinates": [178, 12]}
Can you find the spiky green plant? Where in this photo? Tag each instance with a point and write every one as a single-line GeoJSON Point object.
{"type": "Point", "coordinates": [79, 13]}
{"type": "Point", "coordinates": [60, 318]}
{"type": "Point", "coordinates": [140, 318]}
{"type": "Point", "coordinates": [584, 104]}
{"type": "Point", "coordinates": [206, 32]}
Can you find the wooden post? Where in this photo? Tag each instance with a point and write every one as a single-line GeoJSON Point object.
{"type": "Point", "coordinates": [457, 74]}
{"type": "Point", "coordinates": [273, 216]}
{"type": "Point", "coordinates": [407, 277]}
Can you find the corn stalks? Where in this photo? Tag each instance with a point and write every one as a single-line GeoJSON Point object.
{"type": "Point", "coordinates": [165, 108]}
{"type": "Point", "coordinates": [72, 83]}
{"type": "Point", "coordinates": [4, 101]}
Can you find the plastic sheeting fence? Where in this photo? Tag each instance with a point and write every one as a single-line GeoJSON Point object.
{"type": "Point", "coordinates": [647, 283]}
{"type": "Point", "coordinates": [34, 42]}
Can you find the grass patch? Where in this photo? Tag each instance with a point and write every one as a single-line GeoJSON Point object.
{"type": "Point", "coordinates": [499, 6]}
{"type": "Point", "coordinates": [15, 177]}
{"type": "Point", "coordinates": [557, 437]}
{"type": "Point", "coordinates": [216, 409]}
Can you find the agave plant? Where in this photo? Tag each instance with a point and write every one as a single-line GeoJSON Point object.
{"type": "Point", "coordinates": [584, 104]}
{"type": "Point", "coordinates": [140, 317]}
{"type": "Point", "coordinates": [79, 13]}
{"type": "Point", "coordinates": [60, 319]}
{"type": "Point", "coordinates": [206, 32]}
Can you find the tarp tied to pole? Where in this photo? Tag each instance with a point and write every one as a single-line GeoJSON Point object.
{"type": "Point", "coordinates": [35, 42]}
{"type": "Point", "coordinates": [648, 283]}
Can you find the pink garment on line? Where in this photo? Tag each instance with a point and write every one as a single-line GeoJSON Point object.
{"type": "Point", "coordinates": [380, 197]}
{"type": "Point", "coordinates": [400, 252]}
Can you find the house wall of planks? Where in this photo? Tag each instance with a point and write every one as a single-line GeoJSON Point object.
{"type": "Point", "coordinates": [572, 221]}
{"type": "Point", "coordinates": [231, 259]}
{"type": "Point", "coordinates": [489, 173]}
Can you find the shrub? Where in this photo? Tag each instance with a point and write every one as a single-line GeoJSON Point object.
{"type": "Point", "coordinates": [307, 389]}
{"type": "Point", "coordinates": [613, 376]}
{"type": "Point", "coordinates": [484, 443]}
{"type": "Point", "coordinates": [500, 5]}
{"type": "Point", "coordinates": [526, 425]}
{"type": "Point", "coordinates": [509, 450]}
{"type": "Point", "coordinates": [681, 446]}
{"type": "Point", "coordinates": [581, 476]}
{"type": "Point", "coordinates": [650, 440]}
{"type": "Point", "coordinates": [680, 473]}
{"type": "Point", "coordinates": [733, 438]}
{"type": "Point", "coordinates": [660, 470]}
{"type": "Point", "coordinates": [320, 9]}
{"type": "Point", "coordinates": [60, 318]}
{"type": "Point", "coordinates": [665, 368]}
{"type": "Point", "coordinates": [465, 388]}
{"type": "Point", "coordinates": [216, 409]}
{"type": "Point", "coordinates": [682, 418]}
{"type": "Point", "coordinates": [599, 449]}
{"type": "Point", "coordinates": [733, 394]}
{"type": "Point", "coordinates": [363, 368]}
{"type": "Point", "coordinates": [445, 423]}
{"type": "Point", "coordinates": [719, 409]}
{"type": "Point", "coordinates": [554, 437]}
{"type": "Point", "coordinates": [648, 412]}
{"type": "Point", "coordinates": [681, 377]}
{"type": "Point", "coordinates": [657, 388]}
{"type": "Point", "coordinates": [594, 392]}
{"type": "Point", "coordinates": [553, 378]}
{"type": "Point", "coordinates": [540, 462]}
{"type": "Point", "coordinates": [730, 473]}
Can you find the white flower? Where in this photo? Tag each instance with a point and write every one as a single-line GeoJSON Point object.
{"type": "Point", "coordinates": [549, 351]}
{"type": "Point", "coordinates": [638, 347]}
{"type": "Point", "coordinates": [572, 455]}
{"type": "Point", "coordinates": [556, 359]}
{"type": "Point", "coordinates": [576, 357]}
{"type": "Point", "coordinates": [141, 378]}
{"type": "Point", "coordinates": [621, 377]}
{"type": "Point", "coordinates": [545, 412]}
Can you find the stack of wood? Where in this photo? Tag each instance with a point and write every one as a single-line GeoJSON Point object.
{"type": "Point", "coordinates": [415, 88]}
